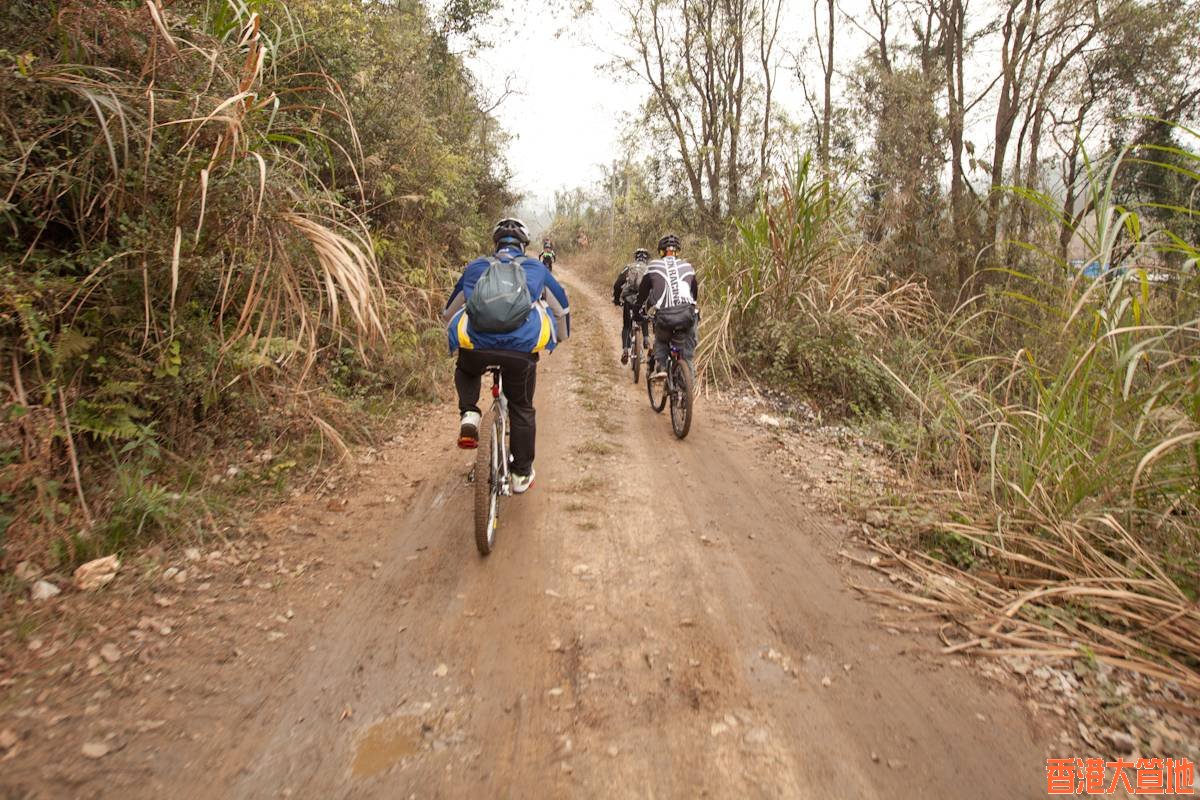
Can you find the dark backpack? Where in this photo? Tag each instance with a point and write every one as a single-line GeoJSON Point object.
{"type": "Point", "coordinates": [500, 302]}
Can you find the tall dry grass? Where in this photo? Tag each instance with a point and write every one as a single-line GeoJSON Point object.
{"type": "Point", "coordinates": [798, 275]}
{"type": "Point", "coordinates": [1066, 412]}
{"type": "Point", "coordinates": [171, 239]}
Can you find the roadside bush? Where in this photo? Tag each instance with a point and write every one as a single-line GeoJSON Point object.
{"type": "Point", "coordinates": [1066, 410]}
{"type": "Point", "coordinates": [203, 249]}
{"type": "Point", "coordinates": [794, 296]}
{"type": "Point", "coordinates": [832, 367]}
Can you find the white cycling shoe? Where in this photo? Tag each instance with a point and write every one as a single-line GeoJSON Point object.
{"type": "Point", "coordinates": [468, 430]}
{"type": "Point", "coordinates": [522, 483]}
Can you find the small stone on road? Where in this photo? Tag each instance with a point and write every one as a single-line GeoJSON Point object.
{"type": "Point", "coordinates": [95, 750]}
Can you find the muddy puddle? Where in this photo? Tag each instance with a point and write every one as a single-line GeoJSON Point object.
{"type": "Point", "coordinates": [384, 744]}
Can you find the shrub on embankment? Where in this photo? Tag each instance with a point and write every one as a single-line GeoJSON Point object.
{"type": "Point", "coordinates": [224, 229]}
{"type": "Point", "coordinates": [794, 299]}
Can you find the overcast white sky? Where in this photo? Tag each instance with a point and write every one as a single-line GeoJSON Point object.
{"type": "Point", "coordinates": [567, 119]}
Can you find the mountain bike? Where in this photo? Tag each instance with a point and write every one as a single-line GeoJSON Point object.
{"type": "Point", "coordinates": [678, 388]}
{"type": "Point", "coordinates": [491, 476]}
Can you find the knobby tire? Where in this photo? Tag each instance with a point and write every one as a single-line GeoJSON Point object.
{"type": "Point", "coordinates": [661, 402]}
{"type": "Point", "coordinates": [637, 354]}
{"type": "Point", "coordinates": [681, 398]}
{"type": "Point", "coordinates": [486, 486]}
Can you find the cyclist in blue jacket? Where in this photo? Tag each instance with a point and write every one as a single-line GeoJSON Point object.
{"type": "Point", "coordinates": [515, 352]}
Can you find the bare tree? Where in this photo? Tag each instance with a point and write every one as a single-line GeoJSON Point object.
{"type": "Point", "coordinates": [769, 12]}
{"type": "Point", "coordinates": [710, 65]}
{"type": "Point", "coordinates": [954, 48]}
{"type": "Point", "coordinates": [1107, 99]}
{"type": "Point", "coordinates": [1019, 35]}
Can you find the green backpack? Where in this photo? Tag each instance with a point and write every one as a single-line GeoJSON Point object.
{"type": "Point", "coordinates": [633, 278]}
{"type": "Point", "coordinates": [500, 302]}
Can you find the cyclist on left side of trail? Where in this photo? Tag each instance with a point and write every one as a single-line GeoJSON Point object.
{"type": "Point", "coordinates": [516, 352]}
{"type": "Point", "coordinates": [548, 255]}
{"type": "Point", "coordinates": [625, 292]}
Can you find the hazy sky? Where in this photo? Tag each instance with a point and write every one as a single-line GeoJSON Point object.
{"type": "Point", "coordinates": [567, 119]}
{"type": "Point", "coordinates": [569, 116]}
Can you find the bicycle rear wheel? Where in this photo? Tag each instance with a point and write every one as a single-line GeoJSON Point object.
{"type": "Point", "coordinates": [487, 484]}
{"type": "Point", "coordinates": [636, 356]}
{"type": "Point", "coordinates": [681, 398]}
{"type": "Point", "coordinates": [656, 390]}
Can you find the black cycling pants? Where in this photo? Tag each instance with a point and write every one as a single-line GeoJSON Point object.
{"type": "Point", "coordinates": [519, 377]}
{"type": "Point", "coordinates": [627, 327]}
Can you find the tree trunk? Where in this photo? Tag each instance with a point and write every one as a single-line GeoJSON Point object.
{"type": "Point", "coordinates": [766, 44]}
{"type": "Point", "coordinates": [953, 23]}
{"type": "Point", "coordinates": [827, 111]}
{"type": "Point", "coordinates": [1013, 54]}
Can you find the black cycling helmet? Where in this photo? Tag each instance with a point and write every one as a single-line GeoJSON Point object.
{"type": "Point", "coordinates": [641, 254]}
{"type": "Point", "coordinates": [669, 242]}
{"type": "Point", "coordinates": [511, 230]}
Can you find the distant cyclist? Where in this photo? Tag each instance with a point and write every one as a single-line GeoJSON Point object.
{"type": "Point", "coordinates": [625, 292]}
{"type": "Point", "coordinates": [544, 324]}
{"type": "Point", "coordinates": [548, 255]}
{"type": "Point", "coordinates": [670, 289]}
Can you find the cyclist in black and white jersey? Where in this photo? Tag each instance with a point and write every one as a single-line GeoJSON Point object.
{"type": "Point", "coordinates": [670, 288]}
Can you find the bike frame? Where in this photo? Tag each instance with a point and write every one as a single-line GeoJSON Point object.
{"type": "Point", "coordinates": [670, 372]}
{"type": "Point", "coordinates": [638, 345]}
{"type": "Point", "coordinates": [499, 418]}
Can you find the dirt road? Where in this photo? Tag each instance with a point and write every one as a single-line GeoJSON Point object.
{"type": "Point", "coordinates": [660, 619]}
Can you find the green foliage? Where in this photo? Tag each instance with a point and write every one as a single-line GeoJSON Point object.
{"type": "Point", "coordinates": [464, 17]}
{"type": "Point", "coordinates": [905, 212]}
{"type": "Point", "coordinates": [1087, 403]}
{"type": "Point", "coordinates": [950, 547]}
{"type": "Point", "coordinates": [140, 511]}
{"type": "Point", "coordinates": [208, 212]}
{"type": "Point", "coordinates": [831, 366]}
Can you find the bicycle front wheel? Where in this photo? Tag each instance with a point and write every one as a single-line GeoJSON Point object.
{"type": "Point", "coordinates": [657, 390]}
{"type": "Point", "coordinates": [636, 356]}
{"type": "Point", "coordinates": [487, 484]}
{"type": "Point", "coordinates": [681, 398]}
